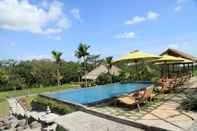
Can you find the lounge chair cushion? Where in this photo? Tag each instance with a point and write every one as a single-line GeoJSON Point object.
{"type": "Point", "coordinates": [127, 100]}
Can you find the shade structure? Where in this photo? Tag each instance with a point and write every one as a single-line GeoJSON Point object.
{"type": "Point", "coordinates": [136, 56]}
{"type": "Point", "coordinates": [165, 59]}
{"type": "Point", "coordinates": [93, 75]}
{"type": "Point", "coordinates": [183, 60]}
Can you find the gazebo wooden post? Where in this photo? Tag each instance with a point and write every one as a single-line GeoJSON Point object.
{"type": "Point", "coordinates": [168, 70]}
{"type": "Point", "coordinates": [173, 68]}
{"type": "Point", "coordinates": [183, 67]}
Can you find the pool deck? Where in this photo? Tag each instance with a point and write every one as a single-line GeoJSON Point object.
{"type": "Point", "coordinates": [88, 122]}
{"type": "Point", "coordinates": [162, 113]}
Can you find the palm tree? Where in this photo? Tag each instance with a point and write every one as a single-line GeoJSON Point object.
{"type": "Point", "coordinates": [108, 62]}
{"type": "Point", "coordinates": [57, 56]}
{"type": "Point", "coordinates": [94, 60]}
{"type": "Point", "coordinates": [82, 52]}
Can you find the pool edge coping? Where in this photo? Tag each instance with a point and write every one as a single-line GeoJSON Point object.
{"type": "Point", "coordinates": [86, 109]}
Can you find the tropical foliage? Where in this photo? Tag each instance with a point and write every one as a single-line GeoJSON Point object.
{"type": "Point", "coordinates": [57, 56]}
{"type": "Point", "coordinates": [57, 107]}
{"type": "Point", "coordinates": [82, 53]}
{"type": "Point", "coordinates": [36, 73]}
{"type": "Point", "coordinates": [104, 78]}
{"type": "Point", "coordinates": [145, 72]}
{"type": "Point", "coordinates": [108, 62]}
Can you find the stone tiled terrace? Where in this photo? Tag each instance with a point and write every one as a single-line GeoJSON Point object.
{"type": "Point", "coordinates": [164, 112]}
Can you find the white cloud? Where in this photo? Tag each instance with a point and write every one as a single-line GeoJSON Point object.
{"type": "Point", "coordinates": [179, 5]}
{"type": "Point", "coordinates": [35, 57]}
{"type": "Point", "coordinates": [181, 1]}
{"type": "Point", "coordinates": [12, 44]}
{"type": "Point", "coordinates": [55, 37]}
{"type": "Point", "coordinates": [64, 23]}
{"type": "Point", "coordinates": [178, 8]}
{"type": "Point", "coordinates": [76, 14]}
{"type": "Point", "coordinates": [58, 38]}
{"type": "Point", "coordinates": [127, 35]}
{"type": "Point", "coordinates": [150, 16]}
{"type": "Point", "coordinates": [20, 15]}
{"type": "Point", "coordinates": [136, 19]}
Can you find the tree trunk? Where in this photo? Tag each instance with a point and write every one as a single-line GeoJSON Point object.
{"type": "Point", "coordinates": [58, 77]}
{"type": "Point", "coordinates": [58, 74]}
{"type": "Point", "coordinates": [85, 68]}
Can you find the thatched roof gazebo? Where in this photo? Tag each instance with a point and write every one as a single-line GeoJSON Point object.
{"type": "Point", "coordinates": [92, 75]}
{"type": "Point", "coordinates": [178, 53]}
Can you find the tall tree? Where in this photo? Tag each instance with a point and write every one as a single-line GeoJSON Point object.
{"type": "Point", "coordinates": [82, 53]}
{"type": "Point", "coordinates": [94, 60]}
{"type": "Point", "coordinates": [108, 62]}
{"type": "Point", "coordinates": [57, 56]}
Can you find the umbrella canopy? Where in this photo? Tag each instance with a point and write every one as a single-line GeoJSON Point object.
{"type": "Point", "coordinates": [165, 59]}
{"type": "Point", "coordinates": [185, 60]}
{"type": "Point", "coordinates": [136, 56]}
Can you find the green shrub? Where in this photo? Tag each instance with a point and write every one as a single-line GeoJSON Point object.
{"type": "Point", "coordinates": [195, 72]}
{"type": "Point", "coordinates": [104, 78]}
{"type": "Point", "coordinates": [190, 103]}
{"type": "Point", "coordinates": [115, 78]}
{"type": "Point", "coordinates": [55, 106]}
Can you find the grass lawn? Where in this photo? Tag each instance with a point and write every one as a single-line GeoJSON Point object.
{"type": "Point", "coordinates": [26, 101]}
{"type": "Point", "coordinates": [55, 106]}
{"type": "Point", "coordinates": [4, 95]}
{"type": "Point", "coordinates": [4, 108]}
{"type": "Point", "coordinates": [195, 72]}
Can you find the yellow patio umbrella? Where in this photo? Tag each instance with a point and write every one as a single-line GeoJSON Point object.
{"type": "Point", "coordinates": [184, 60]}
{"type": "Point", "coordinates": [136, 56]}
{"type": "Point", "coordinates": [165, 59]}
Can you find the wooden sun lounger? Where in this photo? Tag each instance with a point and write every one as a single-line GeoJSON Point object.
{"type": "Point", "coordinates": [134, 100]}
{"type": "Point", "coordinates": [128, 100]}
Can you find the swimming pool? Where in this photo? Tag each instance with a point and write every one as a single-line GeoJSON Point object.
{"type": "Point", "coordinates": [95, 94]}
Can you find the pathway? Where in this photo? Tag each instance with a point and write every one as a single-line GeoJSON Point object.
{"type": "Point", "coordinates": [16, 107]}
{"type": "Point", "coordinates": [163, 113]}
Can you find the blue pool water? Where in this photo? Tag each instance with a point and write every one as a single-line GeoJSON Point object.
{"type": "Point", "coordinates": [98, 93]}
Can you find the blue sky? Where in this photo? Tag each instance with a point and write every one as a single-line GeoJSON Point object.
{"type": "Point", "coordinates": [32, 29]}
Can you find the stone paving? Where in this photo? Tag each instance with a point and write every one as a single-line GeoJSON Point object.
{"type": "Point", "coordinates": [16, 107]}
{"type": "Point", "coordinates": [87, 122]}
{"type": "Point", "coordinates": [164, 112]}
